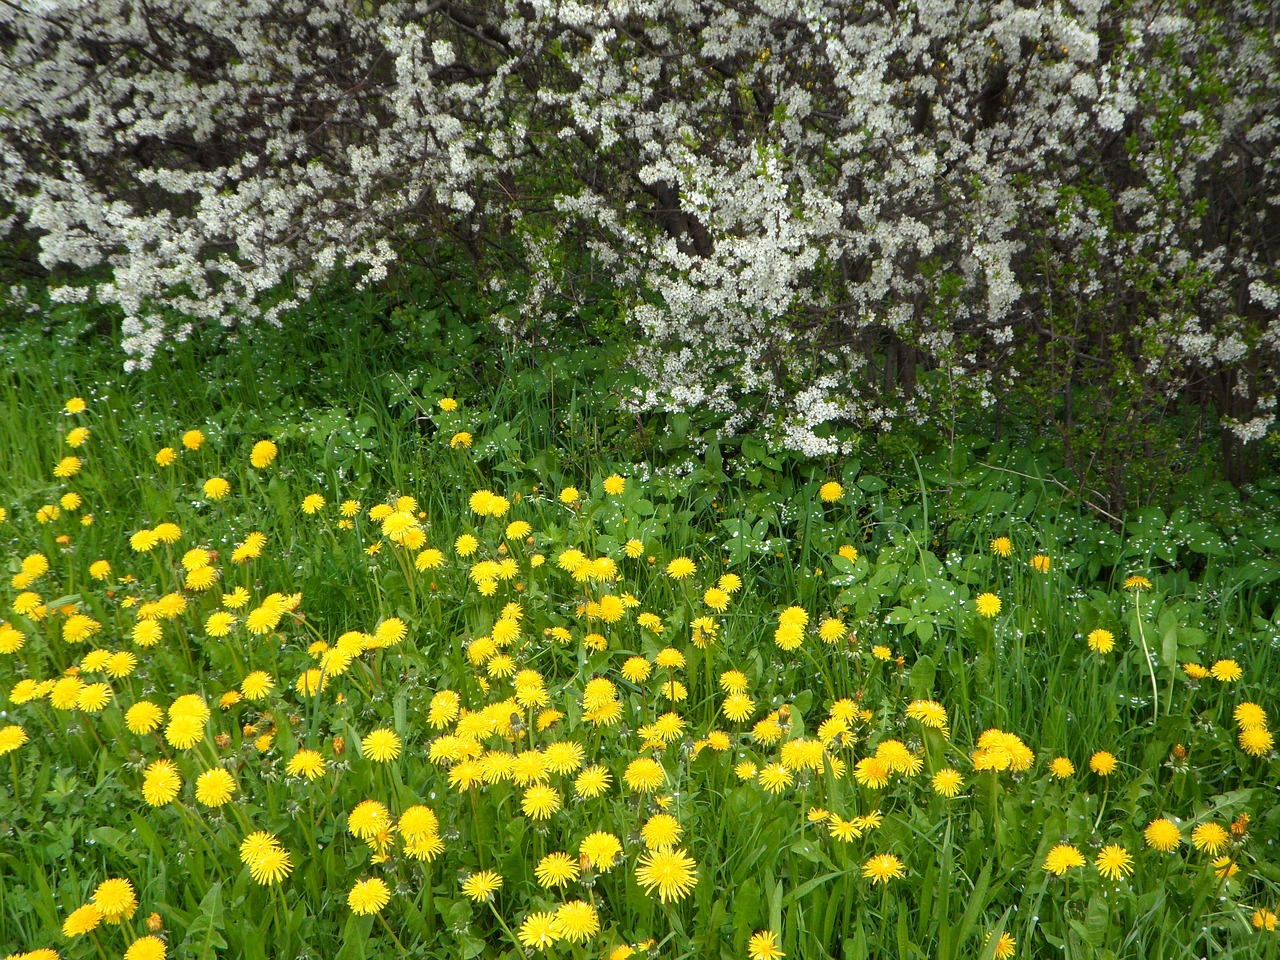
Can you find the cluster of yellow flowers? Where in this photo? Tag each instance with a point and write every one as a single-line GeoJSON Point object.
{"type": "Point", "coordinates": [593, 714]}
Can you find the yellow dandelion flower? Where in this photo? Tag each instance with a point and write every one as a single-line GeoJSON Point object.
{"type": "Point", "coordinates": [79, 628]}
{"type": "Point", "coordinates": [830, 492]}
{"type": "Point", "coordinates": [219, 623]}
{"type": "Point", "coordinates": [872, 772]}
{"type": "Point", "coordinates": [775, 777]}
{"type": "Point", "coordinates": [257, 685]}
{"type": "Point", "coordinates": [883, 868]}
{"type": "Point", "coordinates": [368, 896]}
{"type": "Point", "coordinates": [121, 664]}
{"type": "Point", "coordinates": [557, 870]}
{"type": "Point", "coordinates": [1225, 867]}
{"type": "Point", "coordinates": [1061, 859]}
{"type": "Point", "coordinates": [661, 832]}
{"type": "Point", "coordinates": [161, 783]}
{"type": "Point", "coordinates": [644, 775]}
{"type": "Point", "coordinates": [948, 782]}
{"type": "Point", "coordinates": [67, 467]}
{"type": "Point", "coordinates": [81, 921]}
{"type": "Point", "coordinates": [93, 697]}
{"type": "Point", "coordinates": [1114, 861]}
{"type": "Point", "coordinates": [680, 568]}
{"type": "Point", "coordinates": [538, 931]}
{"type": "Point", "coordinates": [832, 630]}
{"type": "Point", "coordinates": [738, 707]}
{"type": "Point", "coordinates": [540, 802]}
{"type": "Point", "coordinates": [1101, 641]}
{"type": "Point", "coordinates": [601, 849]}
{"type": "Point", "coordinates": [215, 787]}
{"type": "Point", "coordinates": [263, 454]}
{"type": "Point", "coordinates": [928, 713]}
{"type": "Point", "coordinates": [1102, 763]}
{"type": "Point", "coordinates": [115, 899]}
{"type": "Point", "coordinates": [844, 830]}
{"type": "Point", "coordinates": [672, 873]}
{"type": "Point", "coordinates": [1228, 671]}
{"type": "Point", "coordinates": [306, 763]}
{"type": "Point", "coordinates": [65, 693]}
{"type": "Point", "coordinates": [271, 866]}
{"type": "Point", "coordinates": [1249, 715]}
{"type": "Point", "coordinates": [575, 921]}
{"type": "Point", "coordinates": [146, 948]}
{"type": "Point", "coordinates": [1005, 946]}
{"type": "Point", "coordinates": [11, 738]}
{"type": "Point", "coordinates": [1256, 741]}
{"type": "Point", "coordinates": [236, 599]}
{"type": "Point", "coordinates": [1210, 837]}
{"type": "Point", "coordinates": [763, 945]}
{"type": "Point", "coordinates": [143, 717]}
{"type": "Point", "coordinates": [592, 782]}
{"type": "Point", "coordinates": [482, 886]}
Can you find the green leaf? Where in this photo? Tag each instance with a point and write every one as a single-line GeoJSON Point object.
{"type": "Point", "coordinates": [355, 938]}
{"type": "Point", "coordinates": [923, 673]}
{"type": "Point", "coordinates": [204, 933]}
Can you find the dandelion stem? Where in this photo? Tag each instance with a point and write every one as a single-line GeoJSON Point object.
{"type": "Point", "coordinates": [392, 934]}
{"type": "Point", "coordinates": [1146, 652]}
{"type": "Point", "coordinates": [502, 923]}
{"type": "Point", "coordinates": [1106, 787]}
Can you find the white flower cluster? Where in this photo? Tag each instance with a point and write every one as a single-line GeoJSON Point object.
{"type": "Point", "coordinates": [819, 212]}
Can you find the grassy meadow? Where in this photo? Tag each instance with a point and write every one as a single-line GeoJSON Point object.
{"type": "Point", "coordinates": [394, 641]}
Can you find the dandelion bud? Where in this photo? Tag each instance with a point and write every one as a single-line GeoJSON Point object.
{"type": "Point", "coordinates": [339, 746]}
{"type": "Point", "coordinates": [154, 923]}
{"type": "Point", "coordinates": [1179, 752]}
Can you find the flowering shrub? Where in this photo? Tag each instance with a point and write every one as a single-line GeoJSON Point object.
{"type": "Point", "coordinates": [841, 213]}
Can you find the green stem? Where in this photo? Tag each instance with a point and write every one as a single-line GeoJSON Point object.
{"type": "Point", "coordinates": [392, 934]}
{"type": "Point", "coordinates": [1146, 652]}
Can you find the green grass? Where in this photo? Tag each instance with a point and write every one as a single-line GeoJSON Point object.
{"type": "Point", "coordinates": [352, 401]}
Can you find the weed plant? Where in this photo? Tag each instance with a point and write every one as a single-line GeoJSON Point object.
{"type": "Point", "coordinates": [454, 663]}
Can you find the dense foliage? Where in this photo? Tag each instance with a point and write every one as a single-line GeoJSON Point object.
{"type": "Point", "coordinates": [807, 215]}
{"type": "Point", "coordinates": [408, 682]}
